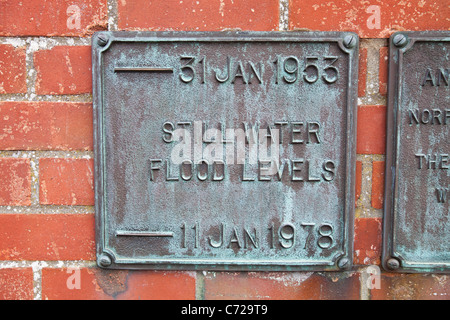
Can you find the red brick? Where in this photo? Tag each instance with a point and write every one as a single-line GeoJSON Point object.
{"type": "Point", "coordinates": [412, 287]}
{"type": "Point", "coordinates": [282, 286]}
{"type": "Point", "coordinates": [52, 18]}
{"type": "Point", "coordinates": [362, 77]}
{"type": "Point", "coordinates": [15, 182]}
{"type": "Point", "coordinates": [45, 126]}
{"type": "Point", "coordinates": [370, 19]}
{"type": "Point", "coordinates": [97, 284]}
{"type": "Point", "coordinates": [367, 243]}
{"type": "Point", "coordinates": [198, 15]}
{"type": "Point", "coordinates": [63, 70]}
{"type": "Point", "coordinates": [383, 71]}
{"type": "Point", "coordinates": [16, 284]}
{"type": "Point", "coordinates": [13, 69]}
{"type": "Point", "coordinates": [378, 184]}
{"type": "Point", "coordinates": [358, 182]}
{"type": "Point", "coordinates": [47, 237]}
{"type": "Point", "coordinates": [371, 132]}
{"type": "Point", "coordinates": [66, 181]}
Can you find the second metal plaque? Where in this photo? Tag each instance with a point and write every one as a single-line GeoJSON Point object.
{"type": "Point", "coordinates": [416, 217]}
{"type": "Point", "coordinates": [228, 151]}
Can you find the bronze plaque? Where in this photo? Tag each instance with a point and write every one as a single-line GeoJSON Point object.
{"type": "Point", "coordinates": [226, 150]}
{"type": "Point", "coordinates": [417, 226]}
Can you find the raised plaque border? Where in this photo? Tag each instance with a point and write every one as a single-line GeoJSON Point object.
{"type": "Point", "coordinates": [392, 261]}
{"type": "Point", "coordinates": [101, 41]}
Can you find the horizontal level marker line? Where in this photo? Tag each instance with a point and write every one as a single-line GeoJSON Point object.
{"type": "Point", "coordinates": [124, 233]}
{"type": "Point", "coordinates": [142, 69]}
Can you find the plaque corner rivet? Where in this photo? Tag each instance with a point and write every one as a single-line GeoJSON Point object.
{"type": "Point", "coordinates": [102, 39]}
{"type": "Point", "coordinates": [400, 40]}
{"type": "Point", "coordinates": [393, 264]}
{"type": "Point", "coordinates": [350, 41]}
{"type": "Point", "coordinates": [343, 263]}
{"type": "Point", "coordinates": [104, 260]}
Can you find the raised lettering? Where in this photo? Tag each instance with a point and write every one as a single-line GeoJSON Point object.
{"type": "Point", "coordinates": [152, 167]}
{"type": "Point", "coordinates": [227, 72]}
{"type": "Point", "coordinates": [186, 164]}
{"type": "Point", "coordinates": [234, 239]}
{"type": "Point", "coordinates": [239, 73]}
{"type": "Point", "coordinates": [248, 236]}
{"type": "Point", "coordinates": [295, 131]}
{"type": "Point", "coordinates": [218, 244]}
{"type": "Point", "coordinates": [253, 71]}
{"type": "Point", "coordinates": [313, 128]}
{"type": "Point", "coordinates": [168, 128]}
{"type": "Point", "coordinates": [296, 168]}
{"type": "Point", "coordinates": [328, 167]}
{"type": "Point", "coordinates": [428, 77]}
{"type": "Point", "coordinates": [442, 75]}
{"type": "Point", "coordinates": [441, 194]}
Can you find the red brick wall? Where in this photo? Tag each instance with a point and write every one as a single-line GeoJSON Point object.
{"type": "Point", "coordinates": [47, 243]}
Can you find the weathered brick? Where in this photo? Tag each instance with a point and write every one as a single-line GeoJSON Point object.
{"type": "Point", "coordinates": [371, 131]}
{"type": "Point", "coordinates": [16, 284]}
{"type": "Point", "coordinates": [45, 126]}
{"type": "Point", "coordinates": [367, 241]}
{"type": "Point", "coordinates": [281, 286]}
{"type": "Point", "coordinates": [378, 184]}
{"type": "Point", "coordinates": [412, 287]}
{"type": "Point", "coordinates": [15, 182]}
{"type": "Point", "coordinates": [63, 70]}
{"type": "Point", "coordinates": [13, 69]}
{"type": "Point", "coordinates": [97, 284]}
{"type": "Point", "coordinates": [47, 237]}
{"type": "Point", "coordinates": [66, 181]}
{"type": "Point", "coordinates": [383, 70]}
{"type": "Point", "coordinates": [52, 18]}
{"type": "Point", "coordinates": [370, 19]}
{"type": "Point", "coordinates": [198, 15]}
{"type": "Point", "coordinates": [362, 76]}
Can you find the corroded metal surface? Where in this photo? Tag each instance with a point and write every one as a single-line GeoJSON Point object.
{"type": "Point", "coordinates": [417, 226]}
{"type": "Point", "coordinates": [179, 181]}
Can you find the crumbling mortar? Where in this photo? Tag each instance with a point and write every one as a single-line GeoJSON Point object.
{"type": "Point", "coordinates": [284, 15]}
{"type": "Point", "coordinates": [364, 207]}
{"type": "Point", "coordinates": [373, 96]}
{"type": "Point", "coordinates": [47, 209]}
{"type": "Point", "coordinates": [200, 285]}
{"type": "Point", "coordinates": [75, 154]}
{"type": "Point", "coordinates": [112, 15]}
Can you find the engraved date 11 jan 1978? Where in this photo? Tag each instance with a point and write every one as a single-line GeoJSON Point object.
{"type": "Point", "coordinates": [286, 236]}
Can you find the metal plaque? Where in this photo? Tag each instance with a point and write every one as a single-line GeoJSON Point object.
{"type": "Point", "coordinates": [416, 222]}
{"type": "Point", "coordinates": [225, 150]}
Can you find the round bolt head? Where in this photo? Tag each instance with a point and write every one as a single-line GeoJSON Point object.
{"type": "Point", "coordinates": [343, 263]}
{"type": "Point", "coordinates": [102, 39]}
{"type": "Point", "coordinates": [104, 260]}
{"type": "Point", "coordinates": [350, 41]}
{"type": "Point", "coordinates": [400, 40]}
{"type": "Point", "coordinates": [393, 264]}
